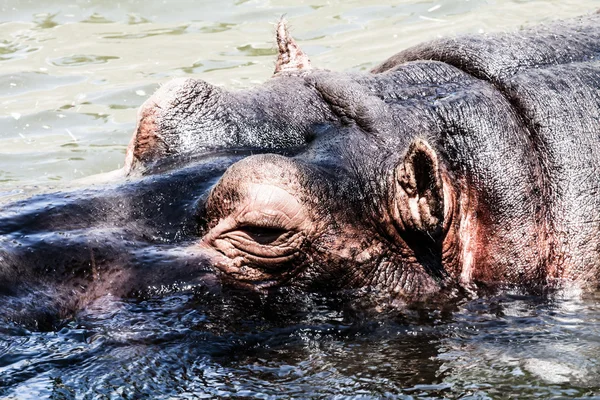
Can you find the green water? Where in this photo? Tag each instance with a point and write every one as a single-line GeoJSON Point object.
{"type": "Point", "coordinates": [72, 73]}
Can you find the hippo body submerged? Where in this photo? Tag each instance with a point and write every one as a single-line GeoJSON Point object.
{"type": "Point", "coordinates": [455, 164]}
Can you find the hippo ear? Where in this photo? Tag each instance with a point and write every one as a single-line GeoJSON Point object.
{"type": "Point", "coordinates": [291, 57]}
{"type": "Point", "coordinates": [419, 194]}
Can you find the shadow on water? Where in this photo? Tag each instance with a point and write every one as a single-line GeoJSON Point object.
{"type": "Point", "coordinates": [286, 344]}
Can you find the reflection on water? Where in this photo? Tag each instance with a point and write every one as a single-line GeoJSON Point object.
{"type": "Point", "coordinates": [197, 344]}
{"type": "Point", "coordinates": [72, 75]}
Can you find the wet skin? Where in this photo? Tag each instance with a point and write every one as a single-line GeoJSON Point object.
{"type": "Point", "coordinates": [454, 165]}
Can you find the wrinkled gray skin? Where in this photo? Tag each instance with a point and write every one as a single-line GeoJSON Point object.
{"type": "Point", "coordinates": [456, 164]}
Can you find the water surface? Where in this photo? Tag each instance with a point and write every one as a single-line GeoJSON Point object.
{"type": "Point", "coordinates": [72, 74]}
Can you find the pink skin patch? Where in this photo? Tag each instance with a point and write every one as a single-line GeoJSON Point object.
{"type": "Point", "coordinates": [146, 140]}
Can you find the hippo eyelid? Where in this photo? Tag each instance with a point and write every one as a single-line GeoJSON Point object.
{"type": "Point", "coordinates": [265, 219]}
{"type": "Point", "coordinates": [263, 243]}
{"type": "Point", "coordinates": [263, 234]}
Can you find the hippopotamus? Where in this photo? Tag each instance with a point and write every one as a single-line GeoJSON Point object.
{"type": "Point", "coordinates": [458, 164]}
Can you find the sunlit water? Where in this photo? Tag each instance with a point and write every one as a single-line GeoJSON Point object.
{"type": "Point", "coordinates": [72, 74]}
{"type": "Point", "coordinates": [197, 345]}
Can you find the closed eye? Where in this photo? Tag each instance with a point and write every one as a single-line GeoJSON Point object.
{"type": "Point", "coordinates": [269, 229]}
{"type": "Point", "coordinates": [263, 235]}
{"type": "Point", "coordinates": [265, 246]}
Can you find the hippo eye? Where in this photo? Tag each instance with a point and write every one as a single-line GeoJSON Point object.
{"type": "Point", "coordinates": [266, 228]}
{"type": "Point", "coordinates": [263, 235]}
{"type": "Point", "coordinates": [260, 245]}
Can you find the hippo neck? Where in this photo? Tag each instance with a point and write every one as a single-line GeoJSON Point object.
{"type": "Point", "coordinates": [548, 79]}
{"type": "Point", "coordinates": [504, 220]}
{"type": "Point", "coordinates": [500, 230]}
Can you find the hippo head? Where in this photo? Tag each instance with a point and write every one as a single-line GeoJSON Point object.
{"type": "Point", "coordinates": [456, 164]}
{"type": "Point", "coordinates": [361, 196]}
{"type": "Point", "coordinates": [273, 219]}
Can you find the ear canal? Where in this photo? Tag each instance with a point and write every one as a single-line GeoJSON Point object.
{"type": "Point", "coordinates": [291, 57]}
{"type": "Point", "coordinates": [419, 194]}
